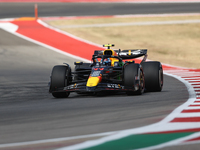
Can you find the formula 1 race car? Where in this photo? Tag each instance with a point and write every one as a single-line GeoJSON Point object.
{"type": "Point", "coordinates": [108, 72]}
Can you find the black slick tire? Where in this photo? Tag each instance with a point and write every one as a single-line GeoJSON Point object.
{"type": "Point", "coordinates": [60, 77]}
{"type": "Point", "coordinates": [153, 74]}
{"type": "Point", "coordinates": [132, 71]}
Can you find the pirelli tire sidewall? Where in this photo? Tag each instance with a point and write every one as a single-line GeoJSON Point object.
{"type": "Point", "coordinates": [153, 74]}
{"type": "Point", "coordinates": [60, 77]}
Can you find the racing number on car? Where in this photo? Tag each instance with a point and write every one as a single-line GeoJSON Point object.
{"type": "Point", "coordinates": [96, 73]}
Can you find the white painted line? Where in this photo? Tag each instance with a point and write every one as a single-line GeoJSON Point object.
{"type": "Point", "coordinates": [186, 115]}
{"type": "Point", "coordinates": [156, 15]}
{"type": "Point", "coordinates": [55, 140]}
{"type": "Point", "coordinates": [184, 73]}
{"type": "Point", "coordinates": [118, 16]}
{"type": "Point", "coordinates": [172, 126]}
{"type": "Point", "coordinates": [9, 27]}
{"type": "Point", "coordinates": [196, 103]}
{"type": "Point", "coordinates": [132, 24]}
{"type": "Point", "coordinates": [191, 108]}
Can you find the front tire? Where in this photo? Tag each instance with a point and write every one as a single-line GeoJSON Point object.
{"type": "Point", "coordinates": [60, 77]}
{"type": "Point", "coordinates": [131, 72]}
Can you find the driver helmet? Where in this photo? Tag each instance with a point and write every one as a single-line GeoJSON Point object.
{"type": "Point", "coordinates": [107, 61]}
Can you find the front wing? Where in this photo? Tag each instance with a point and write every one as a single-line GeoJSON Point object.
{"type": "Point", "coordinates": [81, 87]}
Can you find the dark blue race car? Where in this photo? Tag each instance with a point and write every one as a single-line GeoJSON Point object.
{"type": "Point", "coordinates": [108, 71]}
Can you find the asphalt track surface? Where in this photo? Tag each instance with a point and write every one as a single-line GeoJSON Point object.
{"type": "Point", "coordinates": [29, 113]}
{"type": "Point", "coordinates": [10, 10]}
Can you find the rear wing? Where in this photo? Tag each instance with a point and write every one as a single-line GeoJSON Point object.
{"type": "Point", "coordinates": [126, 54]}
{"type": "Point", "coordinates": [131, 54]}
{"type": "Point", "coordinates": [100, 52]}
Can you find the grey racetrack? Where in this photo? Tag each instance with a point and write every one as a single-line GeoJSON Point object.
{"type": "Point", "coordinates": [28, 112]}
{"type": "Point", "coordinates": [10, 10]}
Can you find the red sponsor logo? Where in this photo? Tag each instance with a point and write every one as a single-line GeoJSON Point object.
{"type": "Point", "coordinates": [98, 69]}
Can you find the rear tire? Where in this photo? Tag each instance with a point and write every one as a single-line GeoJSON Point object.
{"type": "Point", "coordinates": [60, 77]}
{"type": "Point", "coordinates": [130, 73]}
{"type": "Point", "coordinates": [153, 74]}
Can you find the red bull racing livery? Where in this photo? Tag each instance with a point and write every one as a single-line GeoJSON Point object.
{"type": "Point", "coordinates": [108, 71]}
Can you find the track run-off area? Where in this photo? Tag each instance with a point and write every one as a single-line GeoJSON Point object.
{"type": "Point", "coordinates": [179, 127]}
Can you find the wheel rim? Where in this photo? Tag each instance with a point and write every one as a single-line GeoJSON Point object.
{"type": "Point", "coordinates": [161, 77]}
{"type": "Point", "coordinates": [142, 83]}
